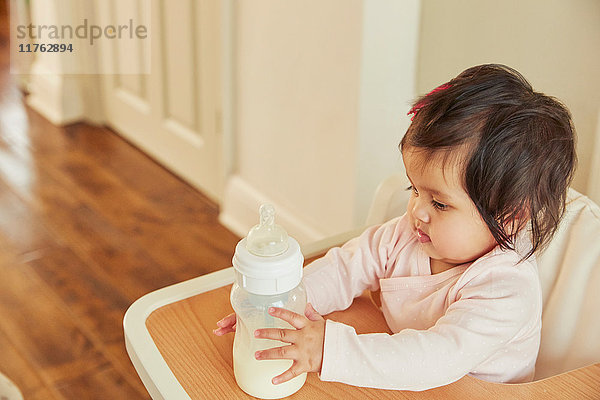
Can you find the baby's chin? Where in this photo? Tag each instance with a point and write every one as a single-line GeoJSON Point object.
{"type": "Point", "coordinates": [446, 255]}
{"type": "Point", "coordinates": [446, 258]}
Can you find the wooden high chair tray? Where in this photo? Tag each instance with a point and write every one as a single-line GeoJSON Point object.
{"type": "Point", "coordinates": [168, 335]}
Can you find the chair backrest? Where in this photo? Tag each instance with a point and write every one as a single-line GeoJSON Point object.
{"type": "Point", "coordinates": [389, 201]}
{"type": "Point", "coordinates": [570, 275]}
{"type": "Point", "coordinates": [569, 271]}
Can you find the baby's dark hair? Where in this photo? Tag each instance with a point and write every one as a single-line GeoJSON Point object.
{"type": "Point", "coordinates": [519, 147]}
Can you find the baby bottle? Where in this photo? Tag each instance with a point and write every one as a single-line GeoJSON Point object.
{"type": "Point", "coordinates": [268, 273]}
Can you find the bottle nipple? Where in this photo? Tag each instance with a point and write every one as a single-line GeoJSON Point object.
{"type": "Point", "coordinates": [267, 238]}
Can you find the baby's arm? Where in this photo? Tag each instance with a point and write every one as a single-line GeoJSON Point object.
{"type": "Point", "coordinates": [492, 311]}
{"type": "Point", "coordinates": [333, 281]}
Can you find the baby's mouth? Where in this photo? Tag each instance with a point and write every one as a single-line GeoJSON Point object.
{"type": "Point", "coordinates": [423, 237]}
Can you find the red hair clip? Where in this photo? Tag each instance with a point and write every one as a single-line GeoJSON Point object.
{"type": "Point", "coordinates": [421, 104]}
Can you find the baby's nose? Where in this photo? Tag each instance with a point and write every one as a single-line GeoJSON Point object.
{"type": "Point", "coordinates": [419, 211]}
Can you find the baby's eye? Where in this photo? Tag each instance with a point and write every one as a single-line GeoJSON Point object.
{"type": "Point", "coordinates": [439, 206]}
{"type": "Point", "coordinates": [415, 191]}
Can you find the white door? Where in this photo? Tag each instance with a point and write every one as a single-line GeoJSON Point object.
{"type": "Point", "coordinates": [173, 113]}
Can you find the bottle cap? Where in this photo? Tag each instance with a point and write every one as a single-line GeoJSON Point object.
{"type": "Point", "coordinates": [268, 261]}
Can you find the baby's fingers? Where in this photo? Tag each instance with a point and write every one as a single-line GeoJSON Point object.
{"type": "Point", "coordinates": [311, 313]}
{"type": "Point", "coordinates": [223, 331]}
{"type": "Point", "coordinates": [291, 373]}
{"type": "Point", "coordinates": [296, 320]}
{"type": "Point", "coordinates": [283, 335]}
{"type": "Point", "coordinates": [227, 321]}
{"type": "Point", "coordinates": [277, 353]}
{"type": "Point", "coordinates": [226, 325]}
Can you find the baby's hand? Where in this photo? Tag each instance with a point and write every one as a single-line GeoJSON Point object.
{"type": "Point", "coordinates": [226, 325]}
{"type": "Point", "coordinates": [306, 342]}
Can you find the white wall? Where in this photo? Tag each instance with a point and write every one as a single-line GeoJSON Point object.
{"type": "Point", "coordinates": [320, 97]}
{"type": "Point", "coordinates": [387, 87]}
{"type": "Point", "coordinates": [322, 89]}
{"type": "Point", "coordinates": [554, 43]}
{"type": "Point", "coordinates": [593, 189]}
{"type": "Point", "coordinates": [297, 99]}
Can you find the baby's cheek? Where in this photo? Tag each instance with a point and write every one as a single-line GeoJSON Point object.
{"type": "Point", "coordinates": [449, 243]}
{"type": "Point", "coordinates": [443, 247]}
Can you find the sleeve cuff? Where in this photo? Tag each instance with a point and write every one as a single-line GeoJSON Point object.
{"type": "Point", "coordinates": [332, 350]}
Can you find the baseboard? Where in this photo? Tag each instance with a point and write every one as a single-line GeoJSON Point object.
{"type": "Point", "coordinates": [239, 212]}
{"type": "Point", "coordinates": [55, 97]}
{"type": "Point", "coordinates": [49, 111]}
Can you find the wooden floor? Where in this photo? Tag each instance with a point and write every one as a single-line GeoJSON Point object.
{"type": "Point", "coordinates": [88, 224]}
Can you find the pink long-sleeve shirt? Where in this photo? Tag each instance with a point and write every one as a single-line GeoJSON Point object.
{"type": "Point", "coordinates": [481, 318]}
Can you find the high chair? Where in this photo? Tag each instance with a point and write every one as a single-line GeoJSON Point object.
{"type": "Point", "coordinates": [168, 333]}
{"type": "Point", "coordinates": [8, 390]}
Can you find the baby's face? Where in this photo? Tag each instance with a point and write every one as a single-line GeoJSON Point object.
{"type": "Point", "coordinates": [442, 215]}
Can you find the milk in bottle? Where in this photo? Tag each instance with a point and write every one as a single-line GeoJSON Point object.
{"type": "Point", "coordinates": [268, 273]}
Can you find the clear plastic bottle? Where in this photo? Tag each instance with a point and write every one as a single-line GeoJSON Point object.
{"type": "Point", "coordinates": [268, 273]}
